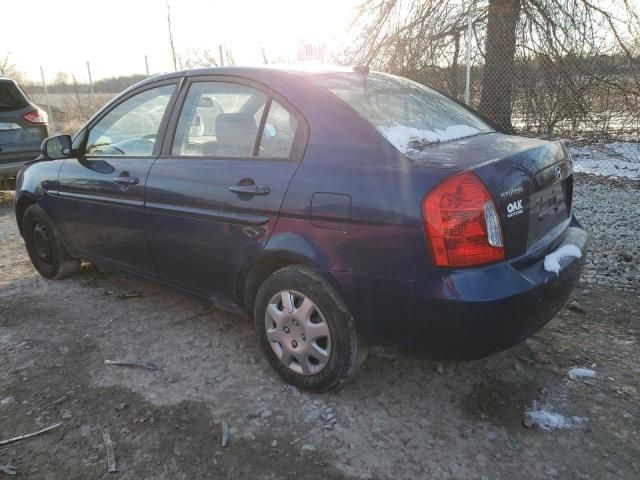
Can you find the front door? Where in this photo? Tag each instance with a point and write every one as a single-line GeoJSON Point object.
{"type": "Point", "coordinates": [102, 189]}
{"type": "Point", "coordinates": [214, 195]}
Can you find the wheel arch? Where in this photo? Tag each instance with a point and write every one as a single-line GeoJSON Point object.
{"type": "Point", "coordinates": [259, 267]}
{"type": "Point", "coordinates": [22, 203]}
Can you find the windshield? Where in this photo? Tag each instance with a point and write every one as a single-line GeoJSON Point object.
{"type": "Point", "coordinates": [409, 115]}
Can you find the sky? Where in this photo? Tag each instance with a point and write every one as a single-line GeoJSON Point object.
{"type": "Point", "coordinates": [115, 35]}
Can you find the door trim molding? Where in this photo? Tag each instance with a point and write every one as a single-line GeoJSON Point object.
{"type": "Point", "coordinates": [206, 214]}
{"type": "Point", "coordinates": [97, 199]}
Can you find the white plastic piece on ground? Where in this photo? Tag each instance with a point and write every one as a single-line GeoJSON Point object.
{"type": "Point", "coordinates": [552, 261]}
{"type": "Point", "coordinates": [546, 419]}
{"type": "Point", "coordinates": [400, 135]}
{"type": "Point", "coordinates": [575, 373]}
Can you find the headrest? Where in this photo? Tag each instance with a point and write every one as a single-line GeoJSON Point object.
{"type": "Point", "coordinates": [205, 102]}
{"type": "Point", "coordinates": [236, 130]}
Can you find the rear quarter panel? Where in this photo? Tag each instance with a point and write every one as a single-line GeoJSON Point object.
{"type": "Point", "coordinates": [346, 156]}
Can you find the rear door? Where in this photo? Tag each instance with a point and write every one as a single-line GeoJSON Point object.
{"type": "Point", "coordinates": [214, 195]}
{"type": "Point", "coordinates": [101, 191]}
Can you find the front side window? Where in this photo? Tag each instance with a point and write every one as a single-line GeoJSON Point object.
{"type": "Point", "coordinates": [219, 119]}
{"type": "Point", "coordinates": [409, 115]}
{"type": "Point", "coordinates": [132, 126]}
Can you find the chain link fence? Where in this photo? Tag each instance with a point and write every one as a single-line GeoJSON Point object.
{"type": "Point", "coordinates": [590, 100]}
{"type": "Point", "coordinates": [585, 90]}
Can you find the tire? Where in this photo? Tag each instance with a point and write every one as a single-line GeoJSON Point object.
{"type": "Point", "coordinates": [316, 351]}
{"type": "Point", "coordinates": [44, 245]}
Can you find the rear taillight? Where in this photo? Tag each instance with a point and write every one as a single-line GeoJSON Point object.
{"type": "Point", "coordinates": [461, 223]}
{"type": "Point", "coordinates": [37, 117]}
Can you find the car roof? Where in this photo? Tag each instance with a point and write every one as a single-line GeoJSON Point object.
{"type": "Point", "coordinates": [262, 72]}
{"type": "Point", "coordinates": [302, 69]}
{"type": "Point", "coordinates": [7, 79]}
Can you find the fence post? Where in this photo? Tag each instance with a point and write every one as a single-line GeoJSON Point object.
{"type": "Point", "coordinates": [93, 93]}
{"type": "Point", "coordinates": [146, 64]}
{"type": "Point", "coordinates": [467, 83]}
{"type": "Point", "coordinates": [46, 96]}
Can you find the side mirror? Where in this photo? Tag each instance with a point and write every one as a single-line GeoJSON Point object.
{"type": "Point", "coordinates": [56, 147]}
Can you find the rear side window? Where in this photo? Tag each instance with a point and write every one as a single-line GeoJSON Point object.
{"type": "Point", "coordinates": [219, 119]}
{"type": "Point", "coordinates": [409, 115]}
{"type": "Point", "coordinates": [10, 97]}
{"type": "Point", "coordinates": [224, 120]}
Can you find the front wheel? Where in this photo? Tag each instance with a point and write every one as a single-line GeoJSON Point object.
{"type": "Point", "coordinates": [306, 331]}
{"type": "Point", "coordinates": [44, 245]}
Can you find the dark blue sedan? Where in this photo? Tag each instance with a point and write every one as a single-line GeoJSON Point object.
{"type": "Point", "coordinates": [341, 209]}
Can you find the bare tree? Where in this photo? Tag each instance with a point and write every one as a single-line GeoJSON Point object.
{"type": "Point", "coordinates": [264, 54]}
{"type": "Point", "coordinates": [62, 80]}
{"type": "Point", "coordinates": [8, 68]}
{"type": "Point", "coordinates": [555, 61]}
{"type": "Point", "coordinates": [499, 71]}
{"type": "Point", "coordinates": [195, 58]}
{"type": "Point", "coordinates": [231, 61]}
{"type": "Point", "coordinates": [198, 58]}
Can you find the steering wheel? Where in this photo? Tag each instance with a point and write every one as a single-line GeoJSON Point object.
{"type": "Point", "coordinates": [140, 145]}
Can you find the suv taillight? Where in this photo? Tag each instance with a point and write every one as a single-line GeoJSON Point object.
{"type": "Point", "coordinates": [461, 223]}
{"type": "Point", "coordinates": [37, 117]}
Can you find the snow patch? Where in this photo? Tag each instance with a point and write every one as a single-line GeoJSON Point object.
{"type": "Point", "coordinates": [616, 159]}
{"type": "Point", "coordinates": [581, 373]}
{"type": "Point", "coordinates": [400, 136]}
{"type": "Point", "coordinates": [552, 261]}
{"type": "Point", "coordinates": [546, 419]}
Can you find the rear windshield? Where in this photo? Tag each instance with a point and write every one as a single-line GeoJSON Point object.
{"type": "Point", "coordinates": [10, 97]}
{"type": "Point", "coordinates": [408, 114]}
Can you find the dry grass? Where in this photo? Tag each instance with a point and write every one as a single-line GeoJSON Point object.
{"type": "Point", "coordinates": [6, 196]}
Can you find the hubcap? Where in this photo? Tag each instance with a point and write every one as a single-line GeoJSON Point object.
{"type": "Point", "coordinates": [298, 332]}
{"type": "Point", "coordinates": [42, 242]}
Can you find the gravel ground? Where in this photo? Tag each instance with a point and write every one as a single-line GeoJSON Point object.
{"type": "Point", "coordinates": [610, 211]}
{"type": "Point", "coordinates": [400, 418]}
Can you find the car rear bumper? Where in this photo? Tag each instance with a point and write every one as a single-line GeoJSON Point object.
{"type": "Point", "coordinates": [11, 163]}
{"type": "Point", "coordinates": [465, 314]}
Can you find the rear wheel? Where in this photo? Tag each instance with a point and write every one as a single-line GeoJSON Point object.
{"type": "Point", "coordinates": [44, 245]}
{"type": "Point", "coordinates": [306, 331]}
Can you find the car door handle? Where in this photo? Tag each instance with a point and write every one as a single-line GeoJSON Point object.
{"type": "Point", "coordinates": [250, 189]}
{"type": "Point", "coordinates": [127, 180]}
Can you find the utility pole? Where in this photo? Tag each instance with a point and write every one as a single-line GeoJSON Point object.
{"type": "Point", "coordinates": [46, 96]}
{"type": "Point", "coordinates": [221, 57]}
{"type": "Point", "coordinates": [146, 64]}
{"type": "Point", "coordinates": [467, 84]}
{"type": "Point", "coordinates": [171, 42]}
{"type": "Point", "coordinates": [93, 93]}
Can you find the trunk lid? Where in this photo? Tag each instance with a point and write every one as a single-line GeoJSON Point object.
{"type": "Point", "coordinates": [530, 181]}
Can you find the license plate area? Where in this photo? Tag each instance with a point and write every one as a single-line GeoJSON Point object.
{"type": "Point", "coordinates": [548, 208]}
